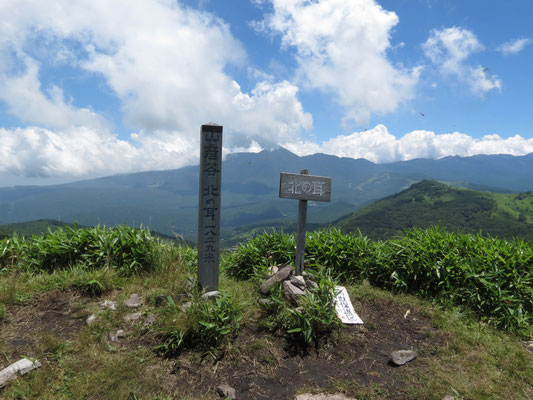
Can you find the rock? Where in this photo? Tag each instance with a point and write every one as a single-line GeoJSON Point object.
{"type": "Point", "coordinates": [119, 334]}
{"type": "Point", "coordinates": [110, 304]}
{"type": "Point", "coordinates": [292, 292]}
{"type": "Point", "coordinates": [310, 396]}
{"type": "Point", "coordinates": [185, 306]}
{"type": "Point", "coordinates": [134, 301]}
{"type": "Point", "coordinates": [283, 273]}
{"type": "Point", "coordinates": [211, 295]}
{"type": "Point", "coordinates": [401, 357]}
{"type": "Point", "coordinates": [311, 284]}
{"type": "Point", "coordinates": [307, 275]}
{"type": "Point", "coordinates": [273, 269]}
{"type": "Point", "coordinates": [149, 320]}
{"type": "Point", "coordinates": [91, 319]}
{"type": "Point", "coordinates": [226, 391]}
{"type": "Point", "coordinates": [298, 281]}
{"type": "Point", "coordinates": [133, 316]}
{"type": "Point", "coordinates": [17, 369]}
{"type": "Point", "coordinates": [448, 397]}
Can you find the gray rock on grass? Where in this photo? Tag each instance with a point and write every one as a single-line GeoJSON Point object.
{"type": "Point", "coordinates": [17, 369]}
{"type": "Point", "coordinates": [298, 281]}
{"type": "Point", "coordinates": [283, 273]}
{"type": "Point", "coordinates": [110, 304]}
{"type": "Point", "coordinates": [291, 292]}
{"type": "Point", "coordinates": [310, 284]}
{"type": "Point", "coordinates": [401, 357]}
{"type": "Point", "coordinates": [91, 319]}
{"type": "Point", "coordinates": [133, 301]}
{"type": "Point", "coordinates": [273, 269]}
{"type": "Point", "coordinates": [132, 317]}
{"type": "Point", "coordinates": [226, 391]}
{"type": "Point", "coordinates": [119, 334]}
{"type": "Point", "coordinates": [211, 295]}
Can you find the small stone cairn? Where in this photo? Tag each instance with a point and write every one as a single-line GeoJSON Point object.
{"type": "Point", "coordinates": [294, 286]}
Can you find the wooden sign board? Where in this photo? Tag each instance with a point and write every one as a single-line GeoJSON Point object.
{"type": "Point", "coordinates": [304, 187]}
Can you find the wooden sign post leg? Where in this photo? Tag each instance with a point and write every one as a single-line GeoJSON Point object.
{"type": "Point", "coordinates": [300, 243]}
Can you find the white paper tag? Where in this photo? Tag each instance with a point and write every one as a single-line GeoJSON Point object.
{"type": "Point", "coordinates": [344, 307]}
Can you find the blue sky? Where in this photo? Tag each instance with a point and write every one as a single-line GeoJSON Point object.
{"type": "Point", "coordinates": [93, 88]}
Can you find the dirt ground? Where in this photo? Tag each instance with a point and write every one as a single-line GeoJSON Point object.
{"type": "Point", "coordinates": [356, 362]}
{"type": "Point", "coordinates": [58, 313]}
{"type": "Point", "coordinates": [258, 365]}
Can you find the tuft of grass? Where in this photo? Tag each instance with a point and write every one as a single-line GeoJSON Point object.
{"type": "Point", "coordinates": [264, 250]}
{"type": "Point", "coordinates": [312, 320]}
{"type": "Point", "coordinates": [205, 325]}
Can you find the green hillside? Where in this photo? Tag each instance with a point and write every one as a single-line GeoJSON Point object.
{"type": "Point", "coordinates": [430, 203]}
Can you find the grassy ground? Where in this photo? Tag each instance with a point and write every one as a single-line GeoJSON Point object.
{"type": "Point", "coordinates": [43, 314]}
{"type": "Point", "coordinates": [462, 357]}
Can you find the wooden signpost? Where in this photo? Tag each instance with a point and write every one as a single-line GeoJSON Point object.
{"type": "Point", "coordinates": [303, 187]}
{"type": "Point", "coordinates": [209, 206]}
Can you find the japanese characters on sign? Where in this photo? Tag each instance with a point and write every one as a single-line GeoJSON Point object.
{"type": "Point", "coordinates": [344, 307]}
{"type": "Point", "coordinates": [209, 206]}
{"type": "Point", "coordinates": [304, 187]}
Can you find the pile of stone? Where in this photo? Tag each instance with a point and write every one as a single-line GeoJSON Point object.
{"type": "Point", "coordinates": [294, 286]}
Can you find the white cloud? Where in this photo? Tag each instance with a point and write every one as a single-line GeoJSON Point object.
{"type": "Point", "coordinates": [380, 146]}
{"type": "Point", "coordinates": [341, 49]}
{"type": "Point", "coordinates": [513, 46]}
{"type": "Point", "coordinates": [41, 152]}
{"type": "Point", "coordinates": [449, 50]}
{"type": "Point", "coordinates": [166, 65]}
{"type": "Point", "coordinates": [23, 95]}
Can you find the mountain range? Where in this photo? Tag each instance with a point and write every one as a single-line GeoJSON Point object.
{"type": "Point", "coordinates": [166, 201]}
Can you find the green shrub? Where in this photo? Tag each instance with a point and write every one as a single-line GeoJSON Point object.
{"type": "Point", "coordinates": [259, 252]}
{"type": "Point", "coordinates": [491, 277]}
{"type": "Point", "coordinates": [348, 256]}
{"type": "Point", "coordinates": [11, 252]}
{"type": "Point", "coordinates": [206, 325]}
{"type": "Point", "coordinates": [312, 320]}
{"type": "Point", "coordinates": [125, 248]}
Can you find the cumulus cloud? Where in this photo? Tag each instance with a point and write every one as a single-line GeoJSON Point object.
{"type": "Point", "coordinates": [449, 50]}
{"type": "Point", "coordinates": [341, 48]}
{"type": "Point", "coordinates": [513, 46]}
{"type": "Point", "coordinates": [25, 99]}
{"type": "Point", "coordinates": [380, 146]}
{"type": "Point", "coordinates": [82, 151]}
{"type": "Point", "coordinates": [164, 63]}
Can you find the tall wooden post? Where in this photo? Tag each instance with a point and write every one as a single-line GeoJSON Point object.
{"type": "Point", "coordinates": [209, 206]}
{"type": "Point", "coordinates": [300, 242]}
